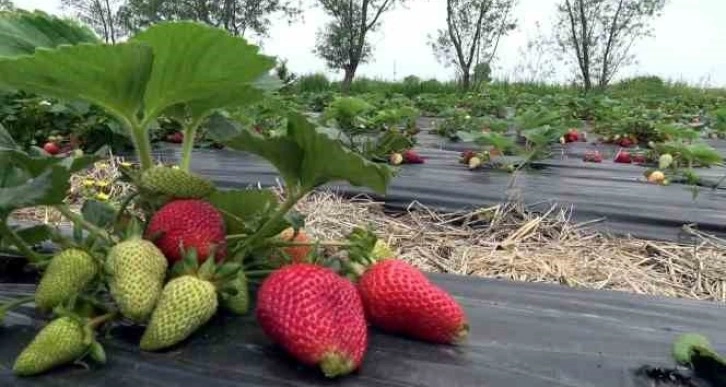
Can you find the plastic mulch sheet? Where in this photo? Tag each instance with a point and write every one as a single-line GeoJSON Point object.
{"type": "Point", "coordinates": [614, 195]}
{"type": "Point", "coordinates": [521, 335]}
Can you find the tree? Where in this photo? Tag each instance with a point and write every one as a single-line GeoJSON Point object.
{"type": "Point", "coordinates": [101, 15]}
{"type": "Point", "coordinates": [597, 35]}
{"type": "Point", "coordinates": [472, 33]}
{"type": "Point", "coordinates": [6, 5]}
{"type": "Point", "coordinates": [342, 44]}
{"type": "Point", "coordinates": [482, 73]}
{"type": "Point", "coordinates": [537, 58]}
{"type": "Point", "coordinates": [236, 16]}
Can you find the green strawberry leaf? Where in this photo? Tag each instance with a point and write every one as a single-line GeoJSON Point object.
{"type": "Point", "coordinates": [207, 269]}
{"type": "Point", "coordinates": [47, 189]}
{"type": "Point", "coordinates": [22, 32]}
{"type": "Point", "coordinates": [10, 175]}
{"type": "Point", "coordinates": [228, 270]}
{"type": "Point", "coordinates": [35, 165]}
{"type": "Point", "coordinates": [6, 140]}
{"type": "Point", "coordinates": [295, 219]}
{"type": "Point", "coordinates": [111, 76]}
{"type": "Point", "coordinates": [305, 158]}
{"type": "Point", "coordinates": [98, 213]}
{"type": "Point", "coordinates": [244, 211]}
{"type": "Point", "coordinates": [200, 66]}
{"type": "Point", "coordinates": [35, 234]}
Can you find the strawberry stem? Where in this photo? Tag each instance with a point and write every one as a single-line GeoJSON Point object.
{"type": "Point", "coordinates": [100, 320]}
{"type": "Point", "coordinates": [19, 243]}
{"type": "Point", "coordinates": [90, 227]}
{"type": "Point", "coordinates": [317, 243]}
{"type": "Point", "coordinates": [272, 222]}
{"type": "Point", "coordinates": [122, 208]}
{"type": "Point", "coordinates": [96, 303]}
{"type": "Point", "coordinates": [233, 237]}
{"type": "Point", "coordinates": [190, 132]}
{"type": "Point", "coordinates": [14, 304]}
{"type": "Point", "coordinates": [254, 273]}
{"type": "Point", "coordinates": [142, 144]}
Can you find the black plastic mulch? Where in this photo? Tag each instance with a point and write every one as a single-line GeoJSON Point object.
{"type": "Point", "coordinates": [614, 195]}
{"type": "Point", "coordinates": [521, 335]}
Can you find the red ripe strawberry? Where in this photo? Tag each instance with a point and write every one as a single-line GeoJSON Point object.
{"type": "Point", "coordinates": [51, 147]}
{"type": "Point", "coordinates": [316, 316]}
{"type": "Point", "coordinates": [623, 157]}
{"type": "Point", "coordinates": [592, 157]}
{"type": "Point", "coordinates": [572, 135]}
{"type": "Point", "coordinates": [625, 142]}
{"type": "Point", "coordinates": [175, 138]}
{"type": "Point", "coordinates": [188, 224]}
{"type": "Point", "coordinates": [639, 158]}
{"type": "Point", "coordinates": [399, 299]}
{"type": "Point", "coordinates": [411, 157]}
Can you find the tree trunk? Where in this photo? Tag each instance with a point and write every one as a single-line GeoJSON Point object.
{"type": "Point", "coordinates": [348, 78]}
{"type": "Point", "coordinates": [466, 80]}
{"type": "Point", "coordinates": [586, 46]}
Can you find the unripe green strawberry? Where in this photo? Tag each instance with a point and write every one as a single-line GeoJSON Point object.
{"type": "Point", "coordinates": [186, 304]}
{"type": "Point", "coordinates": [240, 302]}
{"type": "Point", "coordinates": [665, 161]}
{"type": "Point", "coordinates": [68, 273]}
{"type": "Point", "coordinates": [176, 183]}
{"type": "Point", "coordinates": [60, 342]}
{"type": "Point", "coordinates": [136, 269]}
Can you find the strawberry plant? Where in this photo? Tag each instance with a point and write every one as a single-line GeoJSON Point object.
{"type": "Point", "coordinates": [348, 114]}
{"type": "Point", "coordinates": [375, 137]}
{"type": "Point", "coordinates": [458, 120]}
{"type": "Point", "coordinates": [719, 122]}
{"type": "Point", "coordinates": [177, 249]}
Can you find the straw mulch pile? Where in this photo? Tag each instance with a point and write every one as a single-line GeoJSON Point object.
{"type": "Point", "coordinates": [505, 241]}
{"type": "Point", "coordinates": [509, 242]}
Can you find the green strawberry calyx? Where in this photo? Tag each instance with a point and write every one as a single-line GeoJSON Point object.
{"type": "Point", "coordinates": [364, 250]}
{"type": "Point", "coordinates": [220, 274]}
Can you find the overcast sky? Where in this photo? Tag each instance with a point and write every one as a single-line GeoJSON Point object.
{"type": "Point", "coordinates": [689, 42]}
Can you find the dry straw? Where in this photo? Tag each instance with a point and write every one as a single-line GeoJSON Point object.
{"type": "Point", "coordinates": [509, 242]}
{"type": "Point", "coordinates": [505, 241]}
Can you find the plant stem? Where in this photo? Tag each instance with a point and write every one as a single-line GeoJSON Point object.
{"type": "Point", "coordinates": [233, 237]}
{"type": "Point", "coordinates": [97, 321]}
{"type": "Point", "coordinates": [254, 273]}
{"type": "Point", "coordinates": [190, 133]}
{"type": "Point", "coordinates": [91, 228]}
{"type": "Point", "coordinates": [317, 243]}
{"type": "Point", "coordinates": [14, 304]}
{"type": "Point", "coordinates": [19, 243]}
{"type": "Point", "coordinates": [95, 302]}
{"type": "Point", "coordinates": [141, 141]}
{"type": "Point", "coordinates": [125, 203]}
{"type": "Point", "coordinates": [279, 214]}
